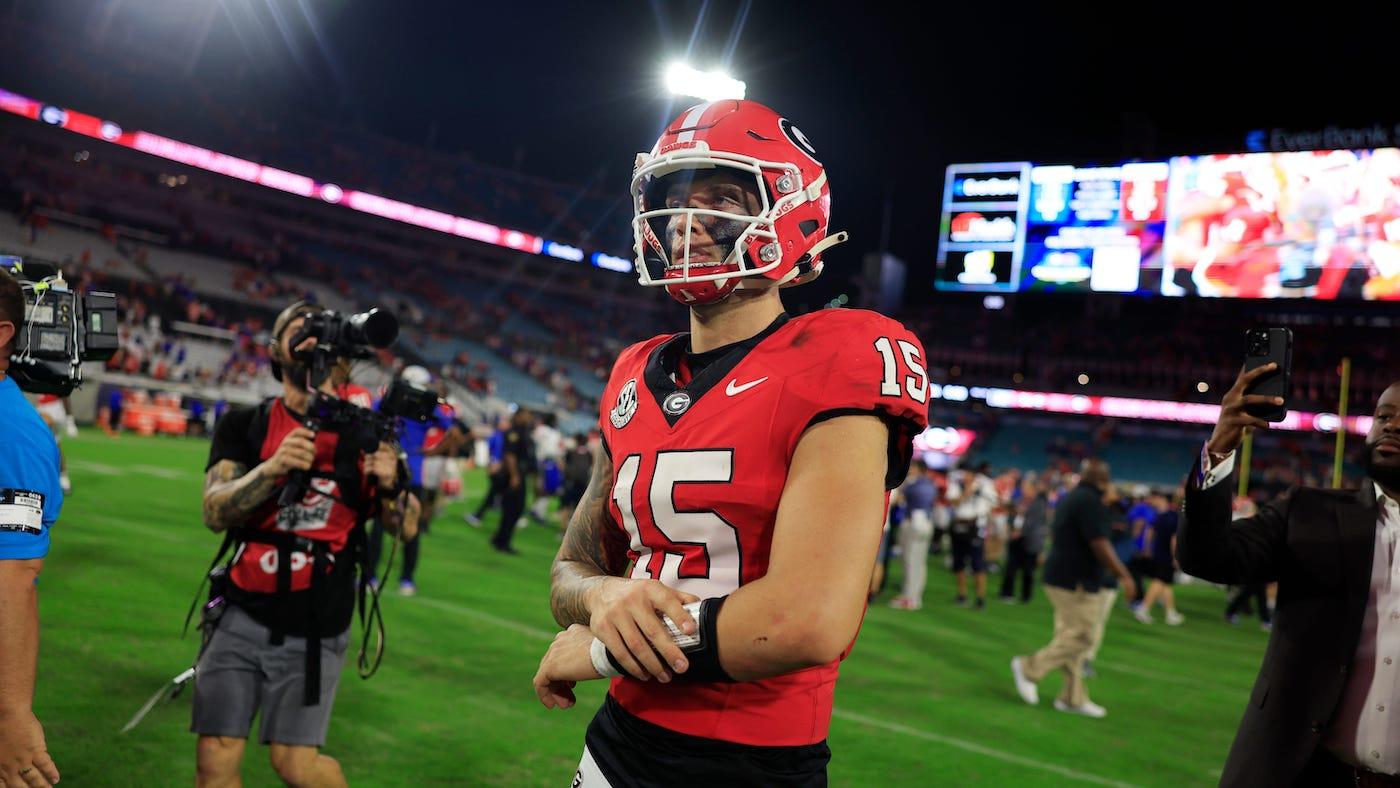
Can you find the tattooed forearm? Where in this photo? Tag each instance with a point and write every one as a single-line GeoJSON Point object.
{"type": "Point", "coordinates": [594, 549]}
{"type": "Point", "coordinates": [232, 492]}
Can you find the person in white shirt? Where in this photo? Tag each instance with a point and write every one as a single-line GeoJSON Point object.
{"type": "Point", "coordinates": [549, 453]}
{"type": "Point", "coordinates": [972, 496]}
{"type": "Point", "coordinates": [1325, 710]}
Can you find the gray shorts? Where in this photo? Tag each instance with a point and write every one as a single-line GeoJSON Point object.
{"type": "Point", "coordinates": [241, 672]}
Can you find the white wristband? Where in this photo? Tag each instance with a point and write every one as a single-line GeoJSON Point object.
{"type": "Point", "coordinates": [599, 654]}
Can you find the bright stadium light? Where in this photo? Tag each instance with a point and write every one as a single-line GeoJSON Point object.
{"type": "Point", "coordinates": [683, 80]}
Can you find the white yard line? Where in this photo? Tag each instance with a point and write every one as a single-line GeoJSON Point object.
{"type": "Point", "coordinates": [979, 749]}
{"type": "Point", "coordinates": [917, 733]}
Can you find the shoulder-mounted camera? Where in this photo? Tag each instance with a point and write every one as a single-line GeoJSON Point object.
{"type": "Point", "coordinates": [61, 329]}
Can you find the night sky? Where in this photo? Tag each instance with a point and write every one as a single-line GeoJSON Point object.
{"type": "Point", "coordinates": [889, 93]}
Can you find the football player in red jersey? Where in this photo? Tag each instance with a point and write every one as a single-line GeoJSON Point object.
{"type": "Point", "coordinates": [744, 480]}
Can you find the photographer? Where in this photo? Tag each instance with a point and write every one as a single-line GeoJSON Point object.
{"type": "Point", "coordinates": [424, 474]}
{"type": "Point", "coordinates": [279, 643]}
{"type": "Point", "coordinates": [1324, 708]}
{"type": "Point", "coordinates": [30, 499]}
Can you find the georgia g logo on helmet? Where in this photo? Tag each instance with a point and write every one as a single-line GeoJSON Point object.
{"type": "Point", "coordinates": [797, 138]}
{"type": "Point", "coordinates": [730, 195]}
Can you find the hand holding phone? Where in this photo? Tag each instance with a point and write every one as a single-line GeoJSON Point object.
{"type": "Point", "coordinates": [1265, 346]}
{"type": "Point", "coordinates": [1235, 413]}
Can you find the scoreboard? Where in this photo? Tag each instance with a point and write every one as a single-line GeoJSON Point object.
{"type": "Point", "coordinates": [1312, 224]}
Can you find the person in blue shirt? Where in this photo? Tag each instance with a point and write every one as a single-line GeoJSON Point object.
{"type": "Point", "coordinates": [918, 496]}
{"type": "Point", "coordinates": [496, 474]}
{"type": "Point", "coordinates": [1136, 554]}
{"type": "Point", "coordinates": [413, 436]}
{"type": "Point", "coordinates": [30, 500]}
{"type": "Point", "coordinates": [1161, 563]}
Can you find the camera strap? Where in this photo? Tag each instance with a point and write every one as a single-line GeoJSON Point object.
{"type": "Point", "coordinates": [371, 616]}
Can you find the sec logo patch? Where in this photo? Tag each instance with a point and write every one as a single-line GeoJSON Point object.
{"type": "Point", "coordinates": [626, 405]}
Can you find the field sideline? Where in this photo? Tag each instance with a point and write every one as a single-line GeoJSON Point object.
{"type": "Point", "coordinates": [925, 699]}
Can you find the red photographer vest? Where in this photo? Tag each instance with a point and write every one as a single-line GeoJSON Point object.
{"type": "Point", "coordinates": [326, 513]}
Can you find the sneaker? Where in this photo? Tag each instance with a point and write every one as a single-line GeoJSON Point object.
{"type": "Point", "coordinates": [961, 601]}
{"type": "Point", "coordinates": [373, 583]}
{"type": "Point", "coordinates": [64, 484]}
{"type": "Point", "coordinates": [1175, 619]}
{"type": "Point", "coordinates": [980, 605]}
{"type": "Point", "coordinates": [904, 603]}
{"type": "Point", "coordinates": [1267, 626]}
{"type": "Point", "coordinates": [506, 550]}
{"type": "Point", "coordinates": [1232, 619]}
{"type": "Point", "coordinates": [407, 588]}
{"type": "Point", "coordinates": [1007, 600]}
{"type": "Point", "coordinates": [1143, 616]}
{"type": "Point", "coordinates": [472, 520]}
{"type": "Point", "coordinates": [1024, 686]}
{"type": "Point", "coordinates": [1087, 709]}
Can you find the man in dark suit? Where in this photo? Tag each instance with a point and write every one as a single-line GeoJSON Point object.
{"type": "Point", "coordinates": [1325, 710]}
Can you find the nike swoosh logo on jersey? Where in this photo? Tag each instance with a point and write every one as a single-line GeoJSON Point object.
{"type": "Point", "coordinates": [733, 390]}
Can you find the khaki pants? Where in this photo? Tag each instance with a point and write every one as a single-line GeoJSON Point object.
{"type": "Point", "coordinates": [1077, 613]}
{"type": "Point", "coordinates": [914, 538]}
{"type": "Point", "coordinates": [1107, 596]}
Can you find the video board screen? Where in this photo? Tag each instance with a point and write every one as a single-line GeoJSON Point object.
{"type": "Point", "coordinates": [982, 228]}
{"type": "Point", "coordinates": [1095, 228]}
{"type": "Point", "coordinates": [1309, 224]}
{"type": "Point", "coordinates": [1314, 224]}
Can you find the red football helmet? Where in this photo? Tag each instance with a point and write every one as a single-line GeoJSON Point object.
{"type": "Point", "coordinates": [702, 177]}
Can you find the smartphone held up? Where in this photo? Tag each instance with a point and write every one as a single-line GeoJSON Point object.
{"type": "Point", "coordinates": [1269, 346]}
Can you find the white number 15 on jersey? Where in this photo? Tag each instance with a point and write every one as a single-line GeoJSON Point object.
{"type": "Point", "coordinates": [916, 383]}
{"type": "Point", "coordinates": [695, 551]}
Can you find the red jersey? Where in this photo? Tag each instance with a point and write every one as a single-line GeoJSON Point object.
{"type": "Point", "coordinates": [322, 514]}
{"type": "Point", "coordinates": [699, 469]}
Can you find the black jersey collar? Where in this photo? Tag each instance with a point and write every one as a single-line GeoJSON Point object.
{"type": "Point", "coordinates": [676, 400]}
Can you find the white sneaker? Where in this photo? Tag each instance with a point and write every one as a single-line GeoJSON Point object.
{"type": "Point", "coordinates": [1088, 709]}
{"type": "Point", "coordinates": [64, 483]}
{"type": "Point", "coordinates": [1175, 619]}
{"type": "Point", "coordinates": [1143, 616]}
{"type": "Point", "coordinates": [1024, 686]}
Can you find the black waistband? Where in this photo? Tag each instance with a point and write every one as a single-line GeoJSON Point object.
{"type": "Point", "coordinates": [667, 741]}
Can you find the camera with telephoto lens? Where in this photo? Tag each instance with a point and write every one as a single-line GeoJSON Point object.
{"type": "Point", "coordinates": [61, 329]}
{"type": "Point", "coordinates": [341, 336]}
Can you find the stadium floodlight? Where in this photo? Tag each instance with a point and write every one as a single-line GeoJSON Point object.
{"type": "Point", "coordinates": [683, 80]}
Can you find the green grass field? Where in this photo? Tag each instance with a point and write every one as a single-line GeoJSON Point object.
{"type": "Point", "coordinates": [925, 699]}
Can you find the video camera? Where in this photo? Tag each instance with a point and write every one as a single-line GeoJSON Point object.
{"type": "Point", "coordinates": [366, 429]}
{"type": "Point", "coordinates": [363, 428]}
{"type": "Point", "coordinates": [341, 336]}
{"type": "Point", "coordinates": [61, 329]}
